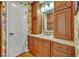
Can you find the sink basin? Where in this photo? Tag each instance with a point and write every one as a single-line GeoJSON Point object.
{"type": "Point", "coordinates": [48, 36]}
{"type": "Point", "coordinates": [45, 36]}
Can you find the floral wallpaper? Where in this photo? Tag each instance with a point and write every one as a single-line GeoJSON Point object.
{"type": "Point", "coordinates": [4, 10]}
{"type": "Point", "coordinates": [3, 21]}
{"type": "Point", "coordinates": [76, 30]}
{"type": "Point", "coordinates": [28, 6]}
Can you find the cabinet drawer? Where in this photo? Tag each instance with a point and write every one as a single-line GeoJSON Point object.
{"type": "Point", "coordinates": [58, 53]}
{"type": "Point", "coordinates": [65, 48]}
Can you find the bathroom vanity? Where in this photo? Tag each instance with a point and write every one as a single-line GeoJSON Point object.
{"type": "Point", "coordinates": [48, 46]}
{"type": "Point", "coordinates": [57, 19]}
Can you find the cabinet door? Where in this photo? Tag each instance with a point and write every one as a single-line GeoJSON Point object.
{"type": "Point", "coordinates": [0, 29]}
{"type": "Point", "coordinates": [30, 43]}
{"type": "Point", "coordinates": [61, 50]}
{"type": "Point", "coordinates": [34, 26]}
{"type": "Point", "coordinates": [46, 48]}
{"type": "Point", "coordinates": [59, 5]}
{"type": "Point", "coordinates": [40, 48]}
{"type": "Point", "coordinates": [35, 46]}
{"type": "Point", "coordinates": [64, 24]}
{"type": "Point", "coordinates": [36, 18]}
{"type": "Point", "coordinates": [34, 10]}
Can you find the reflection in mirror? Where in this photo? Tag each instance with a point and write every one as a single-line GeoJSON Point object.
{"type": "Point", "coordinates": [47, 9]}
{"type": "Point", "coordinates": [50, 21]}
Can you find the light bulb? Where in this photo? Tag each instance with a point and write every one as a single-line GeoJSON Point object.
{"type": "Point", "coordinates": [46, 8]}
{"type": "Point", "coordinates": [42, 9]}
{"type": "Point", "coordinates": [51, 5]}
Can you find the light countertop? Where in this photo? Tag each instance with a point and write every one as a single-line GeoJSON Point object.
{"type": "Point", "coordinates": [51, 37]}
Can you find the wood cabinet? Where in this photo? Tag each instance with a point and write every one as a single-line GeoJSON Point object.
{"type": "Point", "coordinates": [45, 48]}
{"type": "Point", "coordinates": [30, 43]}
{"type": "Point", "coordinates": [0, 30]}
{"type": "Point", "coordinates": [39, 47]}
{"type": "Point", "coordinates": [60, 5]}
{"type": "Point", "coordinates": [63, 24]}
{"type": "Point", "coordinates": [34, 10]}
{"type": "Point", "coordinates": [61, 50]}
{"type": "Point", "coordinates": [64, 21]}
{"type": "Point", "coordinates": [36, 18]}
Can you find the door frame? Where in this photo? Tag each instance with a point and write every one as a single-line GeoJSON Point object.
{"type": "Point", "coordinates": [0, 30]}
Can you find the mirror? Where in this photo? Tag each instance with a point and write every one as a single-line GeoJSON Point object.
{"type": "Point", "coordinates": [47, 9]}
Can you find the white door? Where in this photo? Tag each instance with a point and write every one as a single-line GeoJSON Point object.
{"type": "Point", "coordinates": [16, 29]}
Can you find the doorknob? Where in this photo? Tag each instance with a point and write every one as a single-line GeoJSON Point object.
{"type": "Point", "coordinates": [11, 33]}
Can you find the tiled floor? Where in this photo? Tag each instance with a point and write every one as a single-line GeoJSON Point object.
{"type": "Point", "coordinates": [26, 54]}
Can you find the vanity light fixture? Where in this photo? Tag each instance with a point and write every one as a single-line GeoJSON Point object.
{"type": "Point", "coordinates": [47, 6]}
